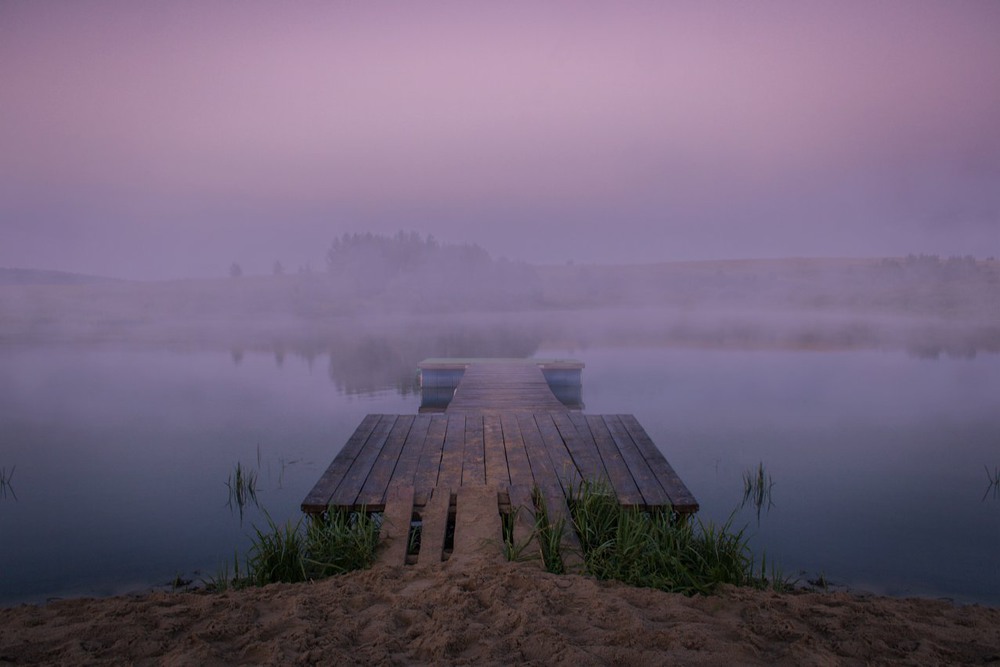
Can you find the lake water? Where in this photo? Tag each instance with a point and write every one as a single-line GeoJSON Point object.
{"type": "Point", "coordinates": [117, 460]}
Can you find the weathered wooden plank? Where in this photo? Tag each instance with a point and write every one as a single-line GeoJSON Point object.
{"type": "Point", "coordinates": [652, 493]}
{"type": "Point", "coordinates": [581, 447]}
{"type": "Point", "coordinates": [503, 386]}
{"type": "Point", "coordinates": [406, 467]}
{"type": "Point", "coordinates": [347, 493]}
{"type": "Point", "coordinates": [429, 465]}
{"type": "Point", "coordinates": [680, 497]}
{"type": "Point", "coordinates": [534, 447]}
{"type": "Point", "coordinates": [524, 521]}
{"type": "Point", "coordinates": [450, 475]}
{"type": "Point", "coordinates": [319, 498]}
{"type": "Point", "coordinates": [618, 473]}
{"type": "Point", "coordinates": [474, 456]}
{"type": "Point", "coordinates": [518, 466]}
{"type": "Point", "coordinates": [497, 474]}
{"type": "Point", "coordinates": [434, 525]}
{"type": "Point", "coordinates": [477, 525]}
{"type": "Point", "coordinates": [570, 549]}
{"type": "Point", "coordinates": [562, 462]}
{"type": "Point", "coordinates": [372, 493]}
{"type": "Point", "coordinates": [395, 531]}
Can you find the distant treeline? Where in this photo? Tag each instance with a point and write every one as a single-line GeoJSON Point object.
{"type": "Point", "coordinates": [43, 277]}
{"type": "Point", "coordinates": [408, 270]}
{"type": "Point", "coordinates": [915, 285]}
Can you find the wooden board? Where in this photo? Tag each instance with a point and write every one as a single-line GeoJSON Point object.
{"type": "Point", "coordinates": [322, 493]}
{"type": "Point", "coordinates": [651, 490]}
{"type": "Point", "coordinates": [477, 525]}
{"type": "Point", "coordinates": [395, 531]}
{"type": "Point", "coordinates": [450, 474]}
{"type": "Point", "coordinates": [372, 494]}
{"type": "Point", "coordinates": [582, 449]}
{"type": "Point", "coordinates": [518, 466]}
{"type": "Point", "coordinates": [406, 467]}
{"type": "Point", "coordinates": [499, 387]}
{"type": "Point", "coordinates": [497, 473]}
{"type": "Point", "coordinates": [680, 498]}
{"type": "Point", "coordinates": [555, 448]}
{"type": "Point", "coordinates": [347, 493]}
{"type": "Point", "coordinates": [618, 472]}
{"type": "Point", "coordinates": [426, 477]}
{"type": "Point", "coordinates": [570, 548]}
{"type": "Point", "coordinates": [474, 457]}
{"type": "Point", "coordinates": [434, 525]}
{"type": "Point", "coordinates": [524, 523]}
{"type": "Point", "coordinates": [541, 465]}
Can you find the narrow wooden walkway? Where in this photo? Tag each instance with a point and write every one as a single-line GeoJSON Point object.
{"type": "Point", "coordinates": [530, 441]}
{"type": "Point", "coordinates": [503, 388]}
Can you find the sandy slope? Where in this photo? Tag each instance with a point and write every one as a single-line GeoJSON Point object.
{"type": "Point", "coordinates": [495, 614]}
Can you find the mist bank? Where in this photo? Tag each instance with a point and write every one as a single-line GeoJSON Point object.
{"type": "Point", "coordinates": [465, 303]}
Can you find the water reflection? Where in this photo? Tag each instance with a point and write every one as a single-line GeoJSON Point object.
{"type": "Point", "coordinates": [6, 483]}
{"type": "Point", "coordinates": [993, 486]}
{"type": "Point", "coordinates": [869, 449]}
{"type": "Point", "coordinates": [362, 362]}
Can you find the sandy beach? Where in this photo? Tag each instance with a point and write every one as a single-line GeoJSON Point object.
{"type": "Point", "coordinates": [492, 614]}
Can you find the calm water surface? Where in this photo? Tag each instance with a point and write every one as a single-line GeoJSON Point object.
{"type": "Point", "coordinates": [120, 458]}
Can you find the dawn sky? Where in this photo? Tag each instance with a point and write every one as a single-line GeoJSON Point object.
{"type": "Point", "coordinates": [169, 139]}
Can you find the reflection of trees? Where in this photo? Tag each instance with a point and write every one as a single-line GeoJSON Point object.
{"type": "Point", "coordinates": [370, 362]}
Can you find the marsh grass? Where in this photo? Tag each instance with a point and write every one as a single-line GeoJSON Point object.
{"type": "Point", "coordinates": [333, 543]}
{"type": "Point", "coordinates": [6, 488]}
{"type": "Point", "coordinates": [994, 482]}
{"type": "Point", "coordinates": [662, 549]}
{"type": "Point", "coordinates": [757, 487]}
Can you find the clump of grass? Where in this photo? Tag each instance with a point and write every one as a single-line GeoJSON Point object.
{"type": "Point", "coordinates": [277, 554]}
{"type": "Point", "coordinates": [660, 549]}
{"type": "Point", "coordinates": [5, 483]}
{"type": "Point", "coordinates": [994, 482]}
{"type": "Point", "coordinates": [757, 487]}
{"type": "Point", "coordinates": [333, 543]}
{"type": "Point", "coordinates": [512, 549]}
{"type": "Point", "coordinates": [413, 538]}
{"type": "Point", "coordinates": [339, 542]}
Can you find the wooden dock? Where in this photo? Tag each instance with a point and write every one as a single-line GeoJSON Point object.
{"type": "Point", "coordinates": [503, 434]}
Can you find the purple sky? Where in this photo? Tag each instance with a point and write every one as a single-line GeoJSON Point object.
{"type": "Point", "coordinates": [168, 139]}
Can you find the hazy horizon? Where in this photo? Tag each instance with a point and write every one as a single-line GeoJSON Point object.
{"type": "Point", "coordinates": [169, 140]}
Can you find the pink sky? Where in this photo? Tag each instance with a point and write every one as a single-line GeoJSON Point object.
{"type": "Point", "coordinates": [164, 139]}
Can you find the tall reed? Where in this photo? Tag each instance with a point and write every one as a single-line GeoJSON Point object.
{"type": "Point", "coordinates": [757, 487]}
{"type": "Point", "coordinates": [242, 485]}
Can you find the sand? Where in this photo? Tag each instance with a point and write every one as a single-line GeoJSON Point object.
{"type": "Point", "coordinates": [483, 614]}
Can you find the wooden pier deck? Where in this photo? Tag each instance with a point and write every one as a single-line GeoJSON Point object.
{"type": "Point", "coordinates": [504, 433]}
